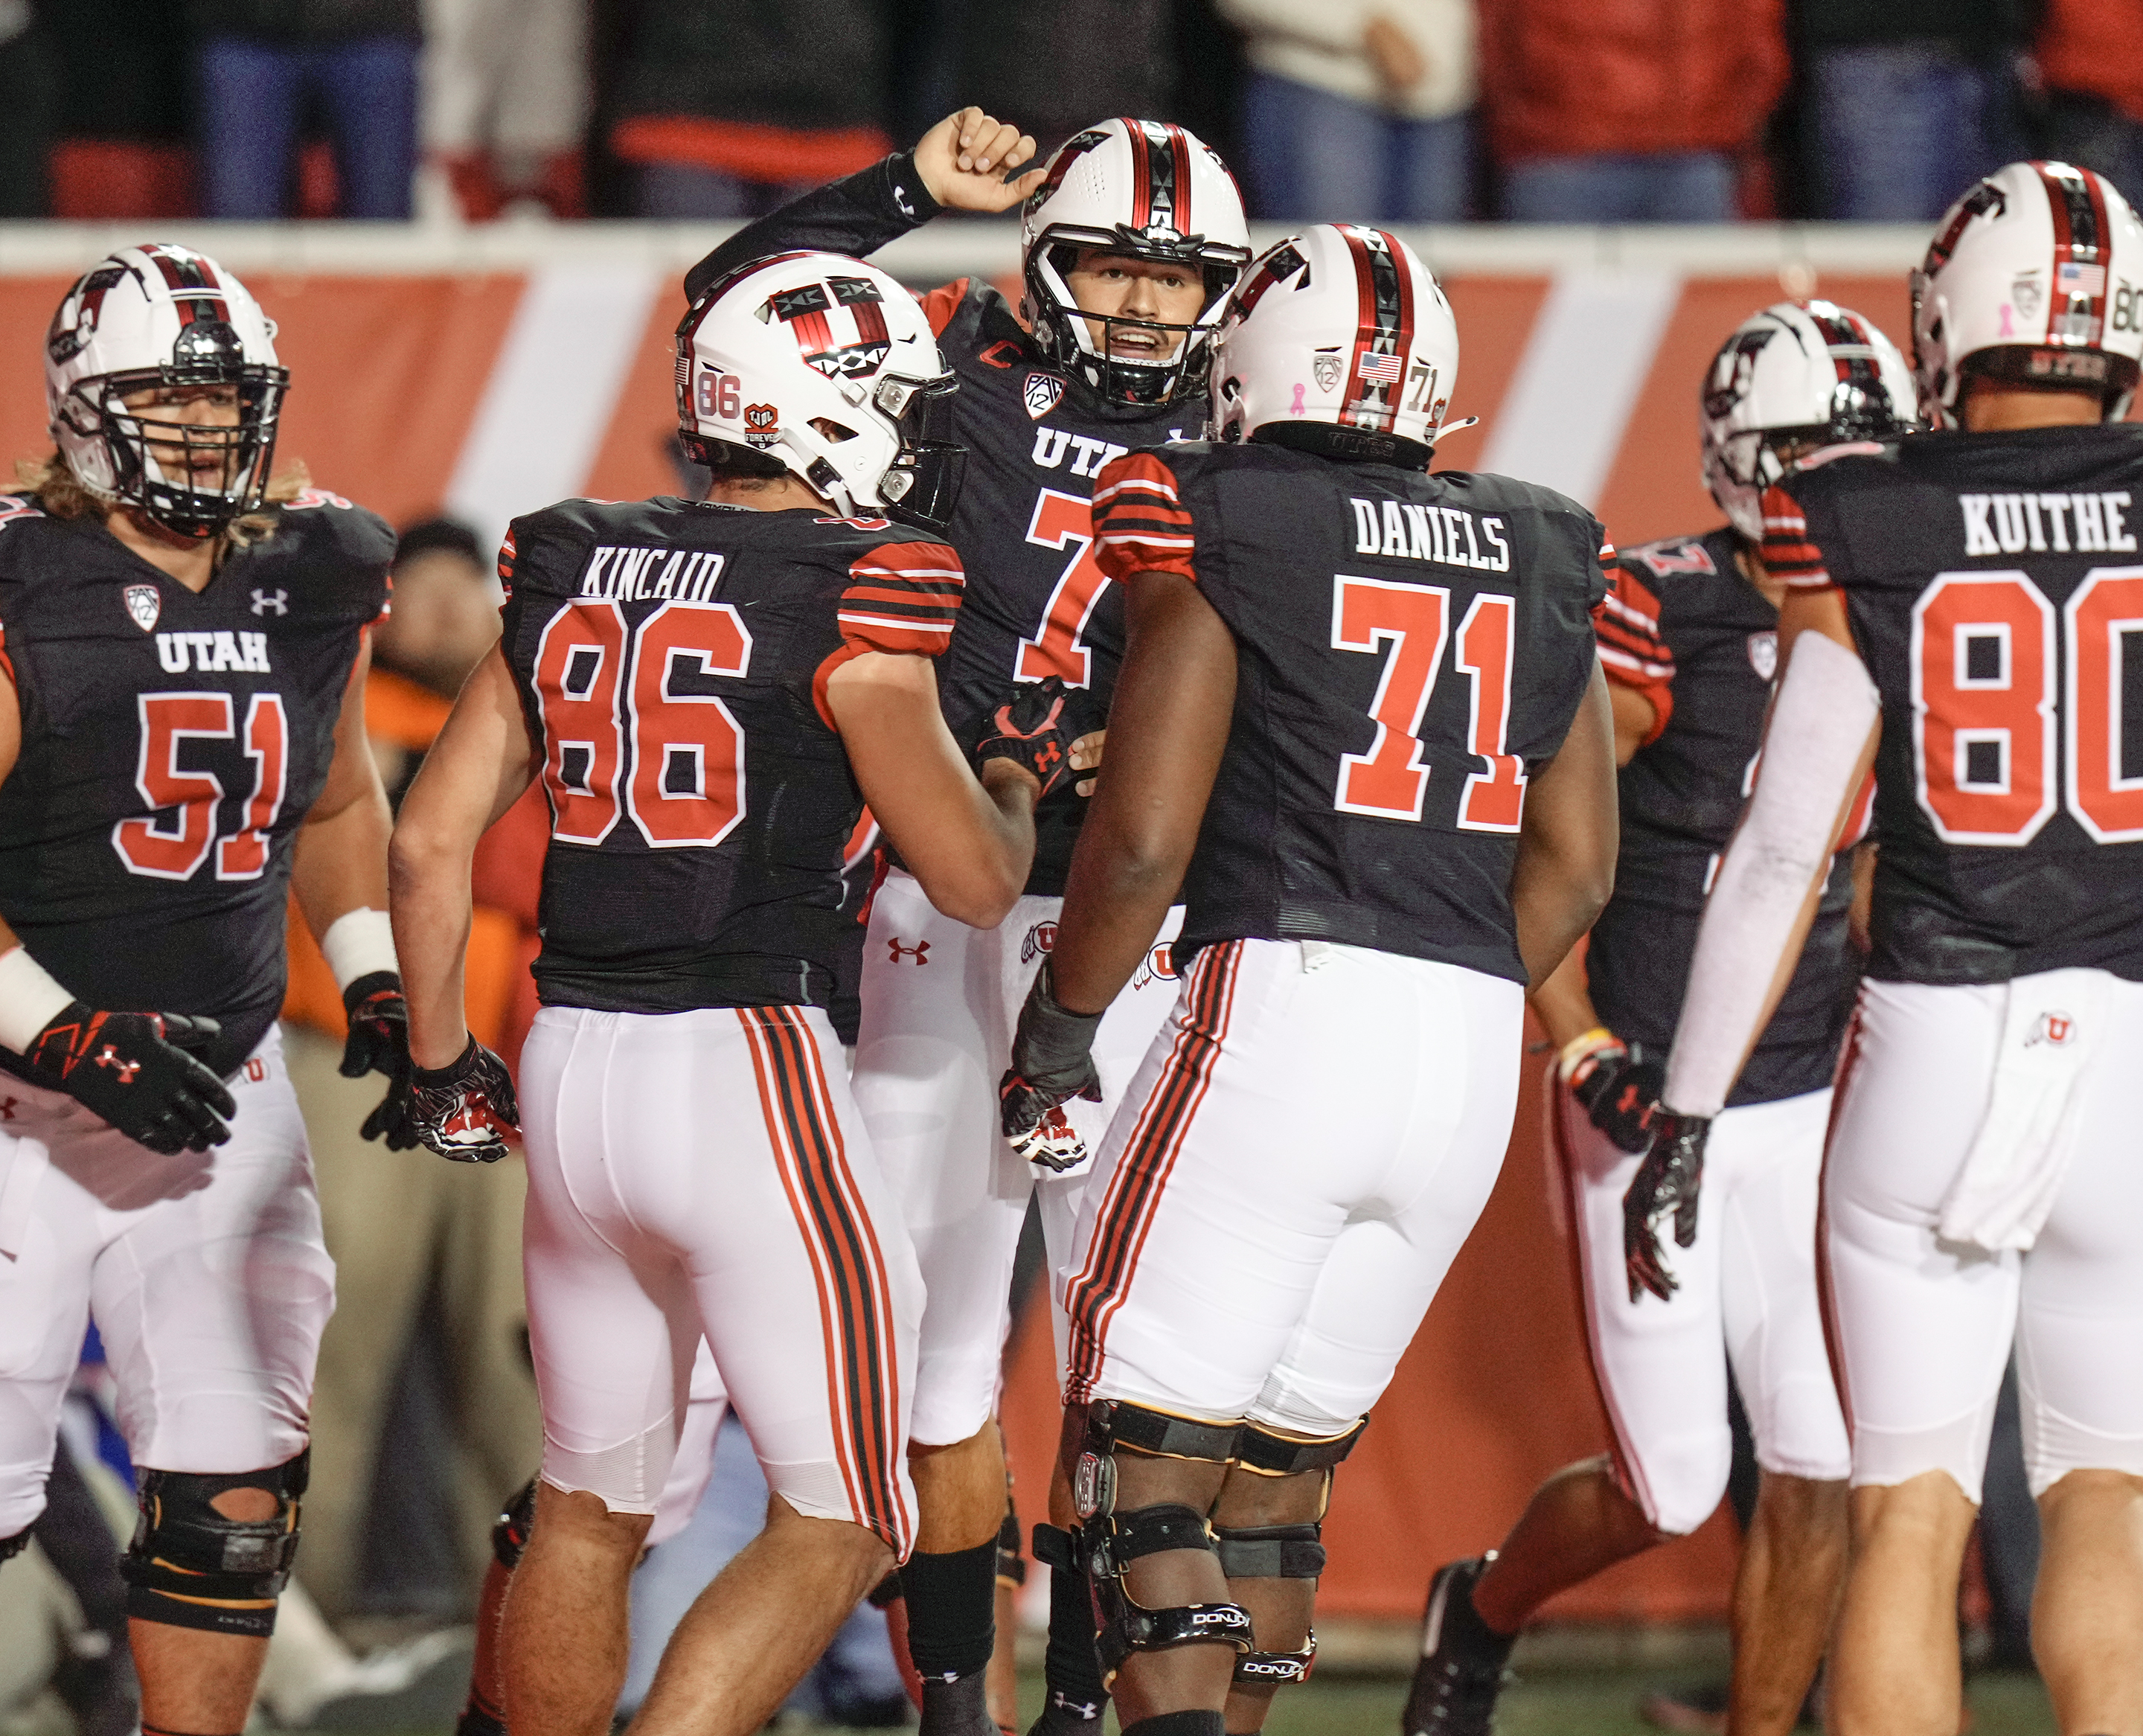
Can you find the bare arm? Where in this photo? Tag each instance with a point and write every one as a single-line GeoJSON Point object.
{"type": "Point", "coordinates": [476, 770]}
{"type": "Point", "coordinates": [1168, 727]}
{"type": "Point", "coordinates": [1564, 1001]}
{"type": "Point", "coordinates": [338, 859]}
{"type": "Point", "coordinates": [969, 843]}
{"type": "Point", "coordinates": [1565, 865]}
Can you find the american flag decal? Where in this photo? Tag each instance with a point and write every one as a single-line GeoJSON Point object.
{"type": "Point", "coordinates": [1385, 370]}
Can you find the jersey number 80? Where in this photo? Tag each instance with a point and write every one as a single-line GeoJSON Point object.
{"type": "Point", "coordinates": [1984, 710]}
{"type": "Point", "coordinates": [686, 789]}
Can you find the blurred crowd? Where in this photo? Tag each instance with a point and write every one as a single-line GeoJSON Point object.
{"type": "Point", "coordinates": [1528, 110]}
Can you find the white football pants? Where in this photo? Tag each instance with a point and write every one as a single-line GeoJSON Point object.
{"type": "Point", "coordinates": [1748, 1281]}
{"type": "Point", "coordinates": [706, 1173]}
{"type": "Point", "coordinates": [1308, 1141]}
{"type": "Point", "coordinates": [1924, 1326]}
{"type": "Point", "coordinates": [206, 1273]}
{"type": "Point", "coordinates": [940, 1000]}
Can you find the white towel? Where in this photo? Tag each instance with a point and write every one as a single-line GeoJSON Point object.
{"type": "Point", "coordinates": [2051, 1029]}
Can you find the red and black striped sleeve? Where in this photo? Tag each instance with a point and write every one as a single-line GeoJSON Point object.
{"type": "Point", "coordinates": [1788, 554]}
{"type": "Point", "coordinates": [1633, 652]}
{"type": "Point", "coordinates": [506, 553]}
{"type": "Point", "coordinates": [1141, 524]}
{"type": "Point", "coordinates": [902, 598]}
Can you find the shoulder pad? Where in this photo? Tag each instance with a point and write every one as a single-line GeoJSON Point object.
{"type": "Point", "coordinates": [326, 525]}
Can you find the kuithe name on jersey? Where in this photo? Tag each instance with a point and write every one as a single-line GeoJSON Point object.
{"type": "Point", "coordinates": [628, 574]}
{"type": "Point", "coordinates": [1417, 533]}
{"type": "Point", "coordinates": [2009, 524]}
{"type": "Point", "coordinates": [207, 653]}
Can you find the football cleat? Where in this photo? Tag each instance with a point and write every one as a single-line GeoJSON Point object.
{"type": "Point", "coordinates": [1462, 1670]}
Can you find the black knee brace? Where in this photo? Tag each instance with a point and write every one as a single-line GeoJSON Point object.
{"type": "Point", "coordinates": [509, 1533]}
{"type": "Point", "coordinates": [190, 1567]}
{"type": "Point", "coordinates": [1107, 1541]}
{"type": "Point", "coordinates": [1274, 1552]}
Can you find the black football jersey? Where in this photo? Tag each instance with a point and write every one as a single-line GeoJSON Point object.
{"type": "Point", "coordinates": [1037, 603]}
{"type": "Point", "coordinates": [672, 657]}
{"type": "Point", "coordinates": [1995, 590]}
{"type": "Point", "coordinates": [1684, 627]}
{"type": "Point", "coordinates": [172, 743]}
{"type": "Point", "coordinates": [1410, 646]}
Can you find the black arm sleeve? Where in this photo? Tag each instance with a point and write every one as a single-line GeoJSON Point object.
{"type": "Point", "coordinates": [856, 215]}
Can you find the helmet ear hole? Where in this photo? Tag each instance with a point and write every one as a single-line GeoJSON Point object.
{"type": "Point", "coordinates": [833, 431]}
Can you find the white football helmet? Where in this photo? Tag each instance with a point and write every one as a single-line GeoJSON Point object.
{"type": "Point", "coordinates": [823, 366]}
{"type": "Point", "coordinates": [152, 317]}
{"type": "Point", "coordinates": [1150, 190]}
{"type": "Point", "coordinates": [1338, 341]}
{"type": "Point", "coordinates": [2034, 279]}
{"type": "Point", "coordinates": [1800, 375]}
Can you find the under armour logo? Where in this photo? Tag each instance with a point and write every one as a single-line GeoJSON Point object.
{"type": "Point", "coordinates": [262, 602]}
{"type": "Point", "coordinates": [1046, 756]}
{"type": "Point", "coordinates": [919, 951]}
{"type": "Point", "coordinates": [125, 1069]}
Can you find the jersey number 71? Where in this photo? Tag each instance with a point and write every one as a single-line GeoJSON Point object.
{"type": "Point", "coordinates": [1391, 781]}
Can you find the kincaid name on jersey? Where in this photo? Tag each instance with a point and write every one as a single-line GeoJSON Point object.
{"type": "Point", "coordinates": [172, 743]}
{"type": "Point", "coordinates": [1685, 629]}
{"type": "Point", "coordinates": [1388, 706]}
{"type": "Point", "coordinates": [1991, 586]}
{"type": "Point", "coordinates": [671, 657]}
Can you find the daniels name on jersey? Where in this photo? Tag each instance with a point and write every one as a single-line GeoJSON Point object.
{"type": "Point", "coordinates": [1993, 588]}
{"type": "Point", "coordinates": [172, 743]}
{"type": "Point", "coordinates": [672, 657]}
{"type": "Point", "coordinates": [1410, 648]}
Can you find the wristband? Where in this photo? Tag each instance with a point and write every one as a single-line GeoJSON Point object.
{"type": "Point", "coordinates": [357, 943]}
{"type": "Point", "coordinates": [1585, 1043]}
{"type": "Point", "coordinates": [29, 999]}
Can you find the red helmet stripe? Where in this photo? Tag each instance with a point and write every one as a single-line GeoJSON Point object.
{"type": "Point", "coordinates": [1141, 175]}
{"type": "Point", "coordinates": [1383, 328]}
{"type": "Point", "coordinates": [1179, 149]}
{"type": "Point", "coordinates": [2077, 205]}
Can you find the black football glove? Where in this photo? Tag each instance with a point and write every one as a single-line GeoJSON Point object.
{"type": "Point", "coordinates": [1052, 1062]}
{"type": "Point", "coordinates": [464, 1110]}
{"type": "Point", "coordinates": [1034, 730]}
{"type": "Point", "coordinates": [1667, 1180]}
{"type": "Point", "coordinates": [1618, 1084]}
{"type": "Point", "coordinates": [378, 1042]}
{"type": "Point", "coordinates": [133, 1069]}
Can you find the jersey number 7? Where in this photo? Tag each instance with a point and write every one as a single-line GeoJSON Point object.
{"type": "Point", "coordinates": [1391, 781]}
{"type": "Point", "coordinates": [686, 786]}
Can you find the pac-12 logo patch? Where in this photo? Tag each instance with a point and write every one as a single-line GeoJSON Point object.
{"type": "Point", "coordinates": [1764, 655]}
{"type": "Point", "coordinates": [1043, 393]}
{"type": "Point", "coordinates": [1039, 939]}
{"type": "Point", "coordinates": [143, 604]}
{"type": "Point", "coordinates": [1325, 366]}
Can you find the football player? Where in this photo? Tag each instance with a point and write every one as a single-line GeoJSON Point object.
{"type": "Point", "coordinates": [181, 741]}
{"type": "Point", "coordinates": [709, 692]}
{"type": "Point", "coordinates": [1361, 722]}
{"type": "Point", "coordinates": [1132, 234]}
{"type": "Point", "coordinates": [1688, 640]}
{"type": "Point", "coordinates": [1957, 609]}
